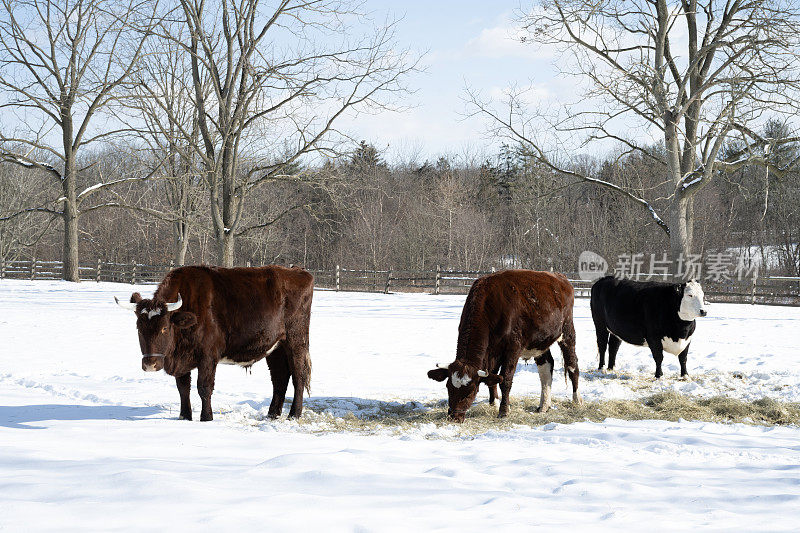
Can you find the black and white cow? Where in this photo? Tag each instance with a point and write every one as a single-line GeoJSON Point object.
{"type": "Point", "coordinates": [645, 313]}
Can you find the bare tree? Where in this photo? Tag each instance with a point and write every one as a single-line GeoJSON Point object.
{"type": "Point", "coordinates": [60, 64]}
{"type": "Point", "coordinates": [698, 72]}
{"type": "Point", "coordinates": [269, 83]}
{"type": "Point", "coordinates": [19, 188]}
{"type": "Point", "coordinates": [160, 112]}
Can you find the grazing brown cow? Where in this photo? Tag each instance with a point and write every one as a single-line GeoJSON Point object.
{"type": "Point", "coordinates": [508, 315]}
{"type": "Point", "coordinates": [202, 316]}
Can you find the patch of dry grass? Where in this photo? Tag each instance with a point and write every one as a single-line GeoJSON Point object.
{"type": "Point", "coordinates": [482, 417]}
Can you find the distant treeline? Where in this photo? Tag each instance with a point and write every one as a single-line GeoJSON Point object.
{"type": "Point", "coordinates": [360, 212]}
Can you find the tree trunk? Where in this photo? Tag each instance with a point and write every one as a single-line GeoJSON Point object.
{"type": "Point", "coordinates": [70, 217]}
{"type": "Point", "coordinates": [70, 252]}
{"type": "Point", "coordinates": [226, 243]}
{"type": "Point", "coordinates": [680, 233]}
{"type": "Point", "coordinates": [181, 242]}
{"type": "Point", "coordinates": [679, 210]}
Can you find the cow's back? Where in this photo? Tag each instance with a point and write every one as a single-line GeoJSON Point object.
{"type": "Point", "coordinates": [631, 308]}
{"type": "Point", "coordinates": [524, 303]}
{"type": "Point", "coordinates": [242, 305]}
{"type": "Point", "coordinates": [528, 293]}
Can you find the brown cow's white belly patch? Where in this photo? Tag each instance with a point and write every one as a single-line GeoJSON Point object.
{"type": "Point", "coordinates": [527, 355]}
{"type": "Point", "coordinates": [226, 361]}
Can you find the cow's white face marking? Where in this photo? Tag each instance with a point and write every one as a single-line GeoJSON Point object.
{"type": "Point", "coordinates": [459, 381]}
{"type": "Point", "coordinates": [675, 347]}
{"type": "Point", "coordinates": [151, 313]}
{"type": "Point", "coordinates": [692, 302]}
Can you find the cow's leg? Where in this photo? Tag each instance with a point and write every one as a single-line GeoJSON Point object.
{"type": "Point", "coordinates": [492, 393]}
{"type": "Point", "coordinates": [544, 363]}
{"type": "Point", "coordinates": [567, 346]}
{"type": "Point", "coordinates": [682, 360]}
{"type": "Point", "coordinates": [509, 367]}
{"type": "Point", "coordinates": [602, 341]}
{"type": "Point", "coordinates": [613, 347]}
{"type": "Point", "coordinates": [279, 374]}
{"type": "Point", "coordinates": [184, 384]}
{"type": "Point", "coordinates": [658, 355]}
{"type": "Point", "coordinates": [300, 368]}
{"type": "Point", "coordinates": [206, 373]}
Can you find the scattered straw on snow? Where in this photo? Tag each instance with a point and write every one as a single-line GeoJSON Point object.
{"type": "Point", "coordinates": [430, 419]}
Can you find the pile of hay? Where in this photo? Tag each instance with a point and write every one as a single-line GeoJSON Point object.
{"type": "Point", "coordinates": [482, 417]}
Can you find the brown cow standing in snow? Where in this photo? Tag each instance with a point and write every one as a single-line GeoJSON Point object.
{"type": "Point", "coordinates": [202, 316]}
{"type": "Point", "coordinates": [507, 316]}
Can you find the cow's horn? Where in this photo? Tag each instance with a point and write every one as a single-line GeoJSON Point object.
{"type": "Point", "coordinates": [175, 305]}
{"type": "Point", "coordinates": [130, 306]}
{"type": "Point", "coordinates": [443, 367]}
{"type": "Point", "coordinates": [482, 373]}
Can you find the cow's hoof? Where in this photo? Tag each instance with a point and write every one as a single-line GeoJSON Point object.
{"type": "Point", "coordinates": [576, 399]}
{"type": "Point", "coordinates": [206, 417]}
{"type": "Point", "coordinates": [185, 416]}
{"type": "Point", "coordinates": [542, 409]}
{"type": "Point", "coordinates": [686, 377]}
{"type": "Point", "coordinates": [274, 416]}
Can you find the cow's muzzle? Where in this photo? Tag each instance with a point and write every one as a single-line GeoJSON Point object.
{"type": "Point", "coordinates": [152, 362]}
{"type": "Point", "coordinates": [456, 416]}
{"type": "Point", "coordinates": [703, 312]}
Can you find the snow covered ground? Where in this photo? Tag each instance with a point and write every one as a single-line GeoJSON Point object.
{"type": "Point", "coordinates": [89, 441]}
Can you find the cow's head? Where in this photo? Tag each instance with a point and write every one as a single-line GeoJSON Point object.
{"type": "Point", "coordinates": [156, 322]}
{"type": "Point", "coordinates": [462, 385]}
{"type": "Point", "coordinates": [692, 301]}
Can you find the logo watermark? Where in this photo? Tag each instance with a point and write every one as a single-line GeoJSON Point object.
{"type": "Point", "coordinates": [591, 266]}
{"type": "Point", "coordinates": [714, 266]}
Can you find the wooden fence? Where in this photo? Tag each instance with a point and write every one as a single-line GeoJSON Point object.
{"type": "Point", "coordinates": [770, 290]}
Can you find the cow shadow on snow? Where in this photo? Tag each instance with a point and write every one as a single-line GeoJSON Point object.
{"type": "Point", "coordinates": [21, 416]}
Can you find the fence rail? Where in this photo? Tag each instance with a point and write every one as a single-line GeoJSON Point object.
{"type": "Point", "coordinates": [780, 290]}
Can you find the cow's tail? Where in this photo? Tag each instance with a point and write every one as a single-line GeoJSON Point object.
{"type": "Point", "coordinates": [305, 365]}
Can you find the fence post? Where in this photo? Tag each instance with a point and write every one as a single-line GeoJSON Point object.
{"type": "Point", "coordinates": [97, 271]}
{"type": "Point", "coordinates": [753, 289]}
{"type": "Point", "coordinates": [133, 274]}
{"type": "Point", "coordinates": [438, 280]}
{"type": "Point", "coordinates": [337, 278]}
{"type": "Point", "coordinates": [388, 281]}
{"type": "Point", "coordinates": [3, 269]}
{"type": "Point", "coordinates": [33, 268]}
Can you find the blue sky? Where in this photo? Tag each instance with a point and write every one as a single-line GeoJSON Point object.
{"type": "Point", "coordinates": [467, 44]}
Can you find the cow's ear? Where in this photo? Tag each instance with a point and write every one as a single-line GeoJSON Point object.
{"type": "Point", "coordinates": [438, 374]}
{"type": "Point", "coordinates": [492, 379]}
{"type": "Point", "coordinates": [136, 298]}
{"type": "Point", "coordinates": [679, 288]}
{"type": "Point", "coordinates": [183, 319]}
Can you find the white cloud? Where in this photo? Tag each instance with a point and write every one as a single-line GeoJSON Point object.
{"type": "Point", "coordinates": [529, 95]}
{"type": "Point", "coordinates": [505, 41]}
